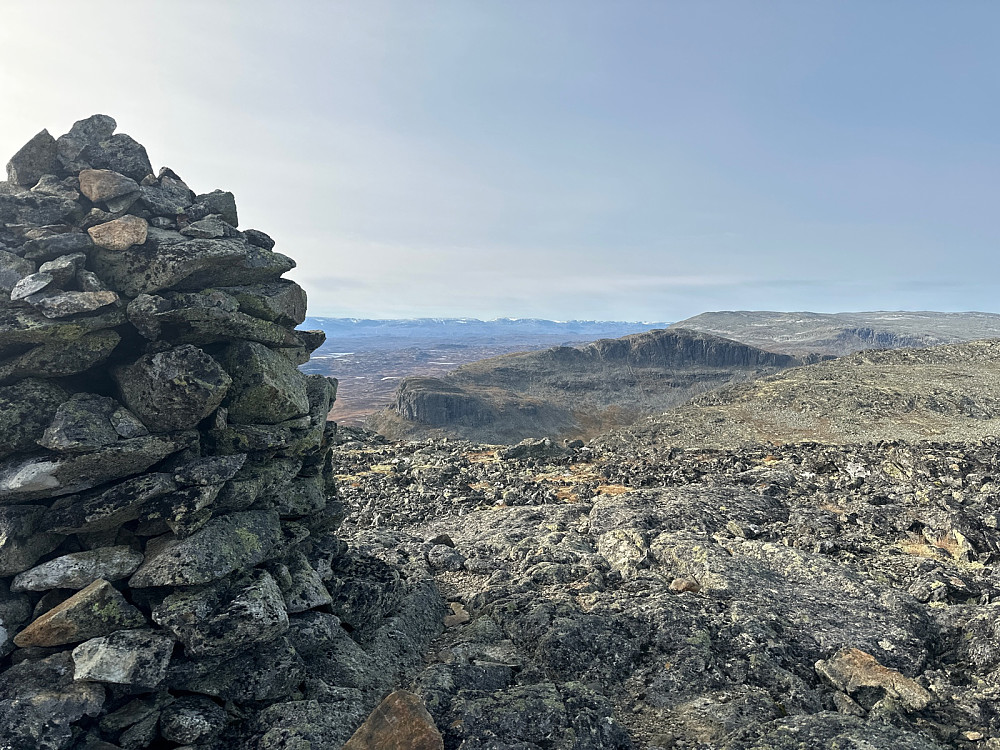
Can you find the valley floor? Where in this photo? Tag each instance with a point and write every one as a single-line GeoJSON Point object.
{"type": "Point", "coordinates": [637, 595]}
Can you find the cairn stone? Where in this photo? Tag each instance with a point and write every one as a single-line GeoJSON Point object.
{"type": "Point", "coordinates": [167, 503]}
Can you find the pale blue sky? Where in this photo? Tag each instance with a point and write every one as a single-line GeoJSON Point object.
{"type": "Point", "coordinates": [578, 159]}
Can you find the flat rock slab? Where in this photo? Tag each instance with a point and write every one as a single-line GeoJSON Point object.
{"type": "Point", "coordinates": [239, 540]}
{"type": "Point", "coordinates": [23, 480]}
{"type": "Point", "coordinates": [175, 389]}
{"type": "Point", "coordinates": [59, 359]}
{"type": "Point", "coordinates": [95, 611]}
{"type": "Point", "coordinates": [400, 722]}
{"type": "Point", "coordinates": [191, 264]}
{"type": "Point", "coordinates": [108, 509]}
{"type": "Point", "coordinates": [64, 304]}
{"type": "Point", "coordinates": [126, 657]}
{"type": "Point", "coordinates": [80, 569]}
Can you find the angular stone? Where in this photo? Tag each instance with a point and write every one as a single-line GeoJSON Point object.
{"type": "Point", "coordinates": [301, 586]}
{"type": "Point", "coordinates": [40, 701]}
{"type": "Point", "coordinates": [12, 269]}
{"type": "Point", "coordinates": [103, 185]}
{"type": "Point", "coordinates": [313, 724]}
{"type": "Point", "coordinates": [185, 511]}
{"type": "Point", "coordinates": [120, 234]}
{"type": "Point", "coordinates": [79, 569]}
{"type": "Point", "coordinates": [259, 239]}
{"type": "Point", "coordinates": [26, 479]}
{"type": "Point", "coordinates": [64, 268]}
{"type": "Point", "coordinates": [173, 390]}
{"type": "Point", "coordinates": [47, 248]}
{"type": "Point", "coordinates": [851, 670]}
{"type": "Point", "coordinates": [109, 509]}
{"type": "Point", "coordinates": [119, 153]}
{"type": "Point", "coordinates": [23, 538]}
{"type": "Point", "coordinates": [169, 199]}
{"type": "Point", "coordinates": [36, 158]}
{"type": "Point", "coordinates": [59, 359]}
{"type": "Point", "coordinates": [26, 408]}
{"type": "Point", "coordinates": [266, 672]}
{"type": "Point", "coordinates": [210, 470]}
{"type": "Point", "coordinates": [282, 301]}
{"type": "Point", "coordinates": [126, 657]}
{"type": "Point", "coordinates": [82, 423]}
{"type": "Point", "coordinates": [89, 282]}
{"type": "Point", "coordinates": [266, 387]}
{"type": "Point", "coordinates": [399, 721]}
{"type": "Point", "coordinates": [224, 618]}
{"type": "Point", "coordinates": [211, 227]}
{"type": "Point", "coordinates": [219, 202]}
{"type": "Point", "coordinates": [239, 540]}
{"type": "Point", "coordinates": [191, 264]}
{"type": "Point", "coordinates": [95, 611]}
{"type": "Point", "coordinates": [29, 285]}
{"type": "Point", "coordinates": [192, 719]}
{"type": "Point", "coordinates": [52, 186]}
{"type": "Point", "coordinates": [93, 129]}
{"type": "Point", "coordinates": [64, 304]}
{"type": "Point", "coordinates": [34, 209]}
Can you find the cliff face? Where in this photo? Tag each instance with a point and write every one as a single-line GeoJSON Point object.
{"type": "Point", "coordinates": [568, 392]}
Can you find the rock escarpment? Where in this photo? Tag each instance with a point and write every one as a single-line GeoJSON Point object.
{"type": "Point", "coordinates": [169, 569]}
{"type": "Point", "coordinates": [570, 392]}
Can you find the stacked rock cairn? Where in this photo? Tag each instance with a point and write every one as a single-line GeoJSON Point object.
{"type": "Point", "coordinates": [166, 494]}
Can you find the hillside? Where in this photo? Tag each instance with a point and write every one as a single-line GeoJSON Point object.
{"type": "Point", "coordinates": [845, 333]}
{"type": "Point", "coordinates": [949, 392]}
{"type": "Point", "coordinates": [570, 392]}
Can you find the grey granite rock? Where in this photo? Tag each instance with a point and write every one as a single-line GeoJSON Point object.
{"type": "Point", "coordinates": [225, 617]}
{"type": "Point", "coordinates": [192, 719]}
{"type": "Point", "coordinates": [65, 304]}
{"type": "Point", "coordinates": [225, 544]}
{"type": "Point", "coordinates": [64, 268]}
{"type": "Point", "coordinates": [138, 658]}
{"type": "Point", "coordinates": [266, 387]}
{"type": "Point", "coordinates": [119, 153]}
{"type": "Point", "coordinates": [36, 158]}
{"type": "Point", "coordinates": [174, 389]}
{"type": "Point", "coordinates": [13, 268]}
{"type": "Point", "coordinates": [79, 569]}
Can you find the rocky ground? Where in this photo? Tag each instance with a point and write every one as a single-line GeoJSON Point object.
{"type": "Point", "coordinates": [634, 595]}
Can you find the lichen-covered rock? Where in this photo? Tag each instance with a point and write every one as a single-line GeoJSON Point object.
{"type": "Point", "coordinates": [266, 387]}
{"type": "Point", "coordinates": [225, 617]}
{"type": "Point", "coordinates": [192, 719]}
{"type": "Point", "coordinates": [78, 570]}
{"type": "Point", "coordinates": [26, 410]}
{"type": "Point", "coordinates": [40, 702]}
{"type": "Point", "coordinates": [173, 390]}
{"type": "Point", "coordinates": [225, 544]}
{"type": "Point", "coordinates": [95, 611]}
{"type": "Point", "coordinates": [125, 657]}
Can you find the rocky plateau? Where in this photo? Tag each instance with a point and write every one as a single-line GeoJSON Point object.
{"type": "Point", "coordinates": [193, 557]}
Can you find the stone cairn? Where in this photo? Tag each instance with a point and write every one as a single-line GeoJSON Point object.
{"type": "Point", "coordinates": [166, 494]}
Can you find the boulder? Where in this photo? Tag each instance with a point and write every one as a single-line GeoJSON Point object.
{"type": "Point", "coordinates": [79, 569]}
{"type": "Point", "coordinates": [173, 390]}
{"type": "Point", "coordinates": [119, 234]}
{"type": "Point", "coordinates": [267, 388]}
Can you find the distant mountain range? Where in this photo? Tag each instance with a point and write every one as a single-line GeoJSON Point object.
{"type": "Point", "coordinates": [460, 328]}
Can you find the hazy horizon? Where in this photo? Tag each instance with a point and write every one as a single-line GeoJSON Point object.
{"type": "Point", "coordinates": [560, 160]}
